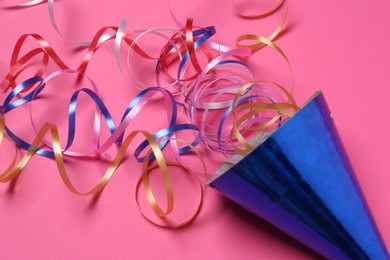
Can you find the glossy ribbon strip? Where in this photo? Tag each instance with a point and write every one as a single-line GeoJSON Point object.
{"type": "Point", "coordinates": [15, 168]}
{"type": "Point", "coordinates": [263, 14]}
{"type": "Point", "coordinates": [260, 41]}
{"type": "Point", "coordinates": [225, 106]}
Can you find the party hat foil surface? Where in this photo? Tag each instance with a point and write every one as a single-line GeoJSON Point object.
{"type": "Point", "coordinates": [301, 181]}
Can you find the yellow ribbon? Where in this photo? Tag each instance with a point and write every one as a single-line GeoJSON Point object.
{"type": "Point", "coordinates": [260, 40]}
{"type": "Point", "coordinates": [12, 172]}
{"type": "Point", "coordinates": [144, 179]}
{"type": "Point", "coordinates": [15, 157]}
{"type": "Point", "coordinates": [288, 109]}
{"type": "Point", "coordinates": [263, 14]}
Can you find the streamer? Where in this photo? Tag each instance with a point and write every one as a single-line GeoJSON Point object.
{"type": "Point", "coordinates": [17, 64]}
{"type": "Point", "coordinates": [225, 106]}
{"type": "Point", "coordinates": [259, 40]}
{"type": "Point", "coordinates": [263, 14]}
{"type": "Point", "coordinates": [144, 179]}
{"type": "Point", "coordinates": [214, 100]}
{"type": "Point", "coordinates": [15, 168]}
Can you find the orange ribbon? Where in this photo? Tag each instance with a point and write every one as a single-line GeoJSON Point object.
{"type": "Point", "coordinates": [260, 40]}
{"type": "Point", "coordinates": [14, 170]}
{"type": "Point", "coordinates": [288, 109]}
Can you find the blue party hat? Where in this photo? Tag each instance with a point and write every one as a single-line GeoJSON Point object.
{"type": "Point", "coordinates": [300, 180]}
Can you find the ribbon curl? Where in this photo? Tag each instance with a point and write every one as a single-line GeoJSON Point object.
{"type": "Point", "coordinates": [15, 168]}
{"type": "Point", "coordinates": [228, 109]}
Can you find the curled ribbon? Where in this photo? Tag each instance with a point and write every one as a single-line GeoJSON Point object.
{"type": "Point", "coordinates": [259, 40]}
{"type": "Point", "coordinates": [17, 64]}
{"type": "Point", "coordinates": [225, 89]}
{"type": "Point", "coordinates": [144, 179]}
{"type": "Point", "coordinates": [116, 136]}
{"type": "Point", "coordinates": [287, 108]}
{"type": "Point", "coordinates": [272, 10]}
{"type": "Point", "coordinates": [226, 107]}
{"type": "Point", "coordinates": [15, 168]}
{"type": "Point", "coordinates": [56, 152]}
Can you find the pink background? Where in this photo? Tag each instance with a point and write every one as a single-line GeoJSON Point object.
{"type": "Point", "coordinates": [340, 47]}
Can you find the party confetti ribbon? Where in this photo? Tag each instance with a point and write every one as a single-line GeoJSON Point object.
{"type": "Point", "coordinates": [15, 168]}
{"type": "Point", "coordinates": [224, 85]}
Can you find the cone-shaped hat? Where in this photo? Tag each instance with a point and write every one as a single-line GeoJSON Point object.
{"type": "Point", "coordinates": [301, 181]}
